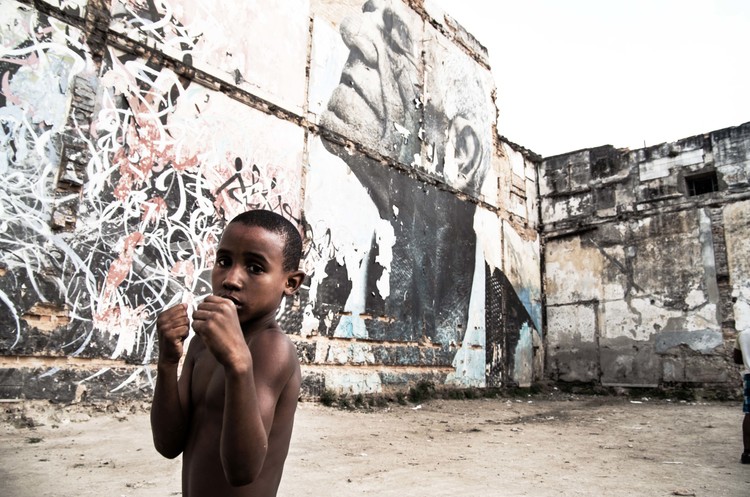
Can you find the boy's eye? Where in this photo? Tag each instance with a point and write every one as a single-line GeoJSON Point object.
{"type": "Point", "coordinates": [255, 268]}
{"type": "Point", "coordinates": [222, 262]}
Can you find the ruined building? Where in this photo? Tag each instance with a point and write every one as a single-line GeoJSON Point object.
{"type": "Point", "coordinates": [435, 249]}
{"type": "Point", "coordinates": [646, 260]}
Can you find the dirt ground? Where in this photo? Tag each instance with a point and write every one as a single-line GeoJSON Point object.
{"type": "Point", "coordinates": [535, 446]}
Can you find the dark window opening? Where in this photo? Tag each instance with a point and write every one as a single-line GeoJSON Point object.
{"type": "Point", "coordinates": [702, 183]}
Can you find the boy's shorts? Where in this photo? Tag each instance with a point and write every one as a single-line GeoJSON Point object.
{"type": "Point", "coordinates": [746, 403]}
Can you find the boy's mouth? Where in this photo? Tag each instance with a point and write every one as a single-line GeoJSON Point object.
{"type": "Point", "coordinates": [236, 302]}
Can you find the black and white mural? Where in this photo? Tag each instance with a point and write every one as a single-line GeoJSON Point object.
{"type": "Point", "coordinates": [394, 200]}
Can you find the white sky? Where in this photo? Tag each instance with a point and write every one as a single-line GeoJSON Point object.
{"type": "Point", "coordinates": [575, 74]}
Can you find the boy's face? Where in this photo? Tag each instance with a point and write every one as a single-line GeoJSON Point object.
{"type": "Point", "coordinates": [249, 271]}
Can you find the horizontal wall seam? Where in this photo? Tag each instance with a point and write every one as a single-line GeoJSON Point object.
{"type": "Point", "coordinates": [377, 367]}
{"type": "Point", "coordinates": [77, 363]}
{"type": "Point", "coordinates": [550, 234]}
{"type": "Point", "coordinates": [36, 362]}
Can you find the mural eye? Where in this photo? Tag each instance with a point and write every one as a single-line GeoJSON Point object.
{"type": "Point", "coordinates": [396, 33]}
{"type": "Point", "coordinates": [369, 7]}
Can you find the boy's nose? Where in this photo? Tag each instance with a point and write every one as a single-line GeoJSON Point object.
{"type": "Point", "coordinates": [232, 279]}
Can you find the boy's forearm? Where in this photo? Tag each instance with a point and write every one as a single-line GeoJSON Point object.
{"type": "Point", "coordinates": [168, 421]}
{"type": "Point", "coordinates": [244, 439]}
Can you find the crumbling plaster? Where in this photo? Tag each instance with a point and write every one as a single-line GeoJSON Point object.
{"type": "Point", "coordinates": [597, 265]}
{"type": "Point", "coordinates": [164, 119]}
{"type": "Point", "coordinates": [644, 283]}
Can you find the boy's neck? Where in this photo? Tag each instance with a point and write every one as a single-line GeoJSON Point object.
{"type": "Point", "coordinates": [249, 328]}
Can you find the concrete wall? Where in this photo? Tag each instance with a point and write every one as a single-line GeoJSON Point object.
{"type": "Point", "coordinates": [133, 130]}
{"type": "Point", "coordinates": [646, 277]}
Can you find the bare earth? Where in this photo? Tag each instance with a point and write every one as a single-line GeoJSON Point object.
{"type": "Point", "coordinates": [575, 446]}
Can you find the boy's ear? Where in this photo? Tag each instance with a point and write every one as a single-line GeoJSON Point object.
{"type": "Point", "coordinates": [293, 282]}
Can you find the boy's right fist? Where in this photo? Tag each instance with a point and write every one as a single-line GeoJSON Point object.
{"type": "Point", "coordinates": [173, 327]}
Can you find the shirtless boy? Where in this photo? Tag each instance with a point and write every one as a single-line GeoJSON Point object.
{"type": "Point", "coordinates": [231, 411]}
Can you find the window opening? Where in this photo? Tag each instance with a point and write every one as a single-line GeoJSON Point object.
{"type": "Point", "coordinates": [701, 184]}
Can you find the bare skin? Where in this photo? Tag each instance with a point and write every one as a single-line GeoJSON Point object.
{"type": "Point", "coordinates": [232, 410]}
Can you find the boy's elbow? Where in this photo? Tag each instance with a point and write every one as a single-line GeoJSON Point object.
{"type": "Point", "coordinates": [166, 450]}
{"type": "Point", "coordinates": [239, 481]}
{"type": "Point", "coordinates": [241, 478]}
{"type": "Point", "coordinates": [244, 473]}
{"type": "Point", "coordinates": [169, 454]}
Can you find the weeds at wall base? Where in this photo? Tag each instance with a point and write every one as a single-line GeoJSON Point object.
{"type": "Point", "coordinates": [426, 390]}
{"type": "Point", "coordinates": [420, 392]}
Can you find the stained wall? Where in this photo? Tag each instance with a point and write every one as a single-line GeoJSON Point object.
{"type": "Point", "coordinates": [645, 256]}
{"type": "Point", "coordinates": [133, 130]}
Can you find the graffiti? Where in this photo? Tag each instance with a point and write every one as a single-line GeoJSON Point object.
{"type": "Point", "coordinates": [39, 59]}
{"type": "Point", "coordinates": [399, 254]}
{"type": "Point", "coordinates": [171, 195]}
{"type": "Point", "coordinates": [256, 194]}
{"type": "Point", "coordinates": [232, 42]}
{"type": "Point", "coordinates": [165, 175]}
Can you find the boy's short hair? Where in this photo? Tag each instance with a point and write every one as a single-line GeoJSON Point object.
{"type": "Point", "coordinates": [278, 224]}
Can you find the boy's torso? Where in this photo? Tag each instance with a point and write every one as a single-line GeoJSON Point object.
{"type": "Point", "coordinates": [202, 472]}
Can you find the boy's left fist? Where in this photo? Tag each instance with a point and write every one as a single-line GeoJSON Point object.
{"type": "Point", "coordinates": [215, 321]}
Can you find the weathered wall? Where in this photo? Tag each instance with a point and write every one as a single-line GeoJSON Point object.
{"type": "Point", "coordinates": [646, 278]}
{"type": "Point", "coordinates": [132, 130]}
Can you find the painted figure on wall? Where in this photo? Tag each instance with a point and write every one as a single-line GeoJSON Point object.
{"type": "Point", "coordinates": [380, 102]}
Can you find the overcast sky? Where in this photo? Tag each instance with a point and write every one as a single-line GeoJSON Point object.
{"type": "Point", "coordinates": [575, 74]}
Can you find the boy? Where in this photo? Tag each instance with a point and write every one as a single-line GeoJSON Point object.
{"type": "Point", "coordinates": [231, 412]}
{"type": "Point", "coordinates": [742, 356]}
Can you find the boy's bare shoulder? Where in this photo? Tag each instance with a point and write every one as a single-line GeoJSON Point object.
{"type": "Point", "coordinates": [272, 339]}
{"type": "Point", "coordinates": [274, 353]}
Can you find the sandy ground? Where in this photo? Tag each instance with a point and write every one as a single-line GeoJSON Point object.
{"type": "Point", "coordinates": [535, 446]}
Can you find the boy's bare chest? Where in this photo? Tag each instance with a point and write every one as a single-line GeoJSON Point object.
{"type": "Point", "coordinates": [207, 388]}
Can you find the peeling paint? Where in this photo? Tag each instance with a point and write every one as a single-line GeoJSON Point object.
{"type": "Point", "coordinates": [524, 354]}
{"type": "Point", "coordinates": [703, 341]}
{"type": "Point", "coordinates": [645, 289]}
{"type": "Point", "coordinates": [131, 138]}
{"type": "Point", "coordinates": [46, 317]}
{"type": "Point", "coordinates": [469, 361]}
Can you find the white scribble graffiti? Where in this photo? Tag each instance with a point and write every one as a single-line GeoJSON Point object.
{"type": "Point", "coordinates": [167, 169]}
{"type": "Point", "coordinates": [40, 58]}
